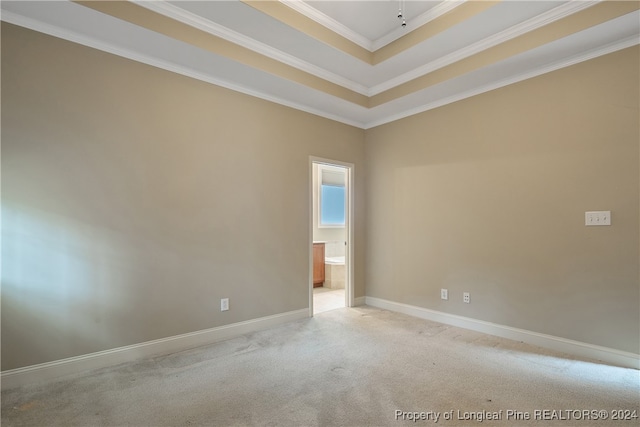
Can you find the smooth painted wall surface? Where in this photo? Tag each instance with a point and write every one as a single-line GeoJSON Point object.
{"type": "Point", "coordinates": [488, 195]}
{"type": "Point", "coordinates": [134, 199]}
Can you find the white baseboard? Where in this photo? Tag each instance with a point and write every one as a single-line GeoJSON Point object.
{"type": "Point", "coordinates": [58, 368]}
{"type": "Point", "coordinates": [575, 348]}
{"type": "Point", "coordinates": [359, 301]}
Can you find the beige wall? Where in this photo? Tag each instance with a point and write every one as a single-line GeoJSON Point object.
{"type": "Point", "coordinates": [133, 199]}
{"type": "Point", "coordinates": [488, 195]}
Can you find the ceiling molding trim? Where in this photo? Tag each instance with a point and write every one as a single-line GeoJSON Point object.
{"type": "Point", "coordinates": [567, 62]}
{"type": "Point", "coordinates": [458, 16]}
{"type": "Point", "coordinates": [166, 9]}
{"type": "Point", "coordinates": [330, 23]}
{"type": "Point", "coordinates": [599, 13]}
{"type": "Point", "coordinates": [512, 32]}
{"type": "Point", "coordinates": [371, 45]}
{"type": "Point", "coordinates": [159, 24]}
{"type": "Point", "coordinates": [91, 42]}
{"type": "Point", "coordinates": [417, 22]}
{"type": "Point", "coordinates": [311, 28]}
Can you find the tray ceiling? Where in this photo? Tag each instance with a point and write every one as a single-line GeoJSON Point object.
{"type": "Point", "coordinates": [349, 61]}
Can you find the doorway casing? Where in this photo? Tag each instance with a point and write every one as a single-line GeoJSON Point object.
{"type": "Point", "coordinates": [349, 229]}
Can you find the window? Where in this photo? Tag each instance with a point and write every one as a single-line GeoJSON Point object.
{"type": "Point", "coordinates": [332, 196]}
{"type": "Point", "coordinates": [332, 205]}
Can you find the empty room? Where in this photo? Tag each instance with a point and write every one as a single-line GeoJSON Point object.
{"type": "Point", "coordinates": [168, 255]}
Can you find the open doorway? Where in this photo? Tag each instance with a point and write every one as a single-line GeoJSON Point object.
{"type": "Point", "coordinates": [331, 236]}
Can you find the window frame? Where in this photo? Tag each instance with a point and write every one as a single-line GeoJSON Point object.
{"type": "Point", "coordinates": [321, 224]}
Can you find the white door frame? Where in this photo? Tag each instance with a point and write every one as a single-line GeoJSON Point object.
{"type": "Point", "coordinates": [349, 230]}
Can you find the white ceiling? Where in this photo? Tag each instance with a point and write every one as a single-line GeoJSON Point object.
{"type": "Point", "coordinates": [372, 19]}
{"type": "Point", "coordinates": [369, 24]}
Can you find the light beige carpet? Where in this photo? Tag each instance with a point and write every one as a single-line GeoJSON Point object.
{"type": "Point", "coordinates": [345, 367]}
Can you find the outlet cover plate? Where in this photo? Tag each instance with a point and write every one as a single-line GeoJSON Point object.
{"type": "Point", "coordinates": [592, 218]}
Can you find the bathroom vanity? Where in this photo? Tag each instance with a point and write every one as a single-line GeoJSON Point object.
{"type": "Point", "coordinates": [318, 264]}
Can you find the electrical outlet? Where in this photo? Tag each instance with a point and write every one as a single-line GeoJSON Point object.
{"type": "Point", "coordinates": [224, 304]}
{"type": "Point", "coordinates": [444, 294]}
{"type": "Point", "coordinates": [597, 218]}
{"type": "Point", "coordinates": [466, 297]}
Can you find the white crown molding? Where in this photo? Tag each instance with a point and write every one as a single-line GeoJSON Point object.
{"type": "Point", "coordinates": [167, 9]}
{"type": "Point", "coordinates": [174, 12]}
{"type": "Point", "coordinates": [362, 41]}
{"type": "Point", "coordinates": [512, 32]}
{"type": "Point", "coordinates": [55, 31]}
{"type": "Point", "coordinates": [576, 348]}
{"type": "Point", "coordinates": [51, 370]}
{"type": "Point", "coordinates": [417, 22]}
{"type": "Point", "coordinates": [364, 124]}
{"type": "Point", "coordinates": [594, 53]}
{"type": "Point", "coordinates": [328, 22]}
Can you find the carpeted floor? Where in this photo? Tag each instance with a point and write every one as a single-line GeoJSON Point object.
{"type": "Point", "coordinates": [344, 367]}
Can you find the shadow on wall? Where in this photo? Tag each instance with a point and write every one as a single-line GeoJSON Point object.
{"type": "Point", "coordinates": [45, 290]}
{"type": "Point", "coordinates": [59, 294]}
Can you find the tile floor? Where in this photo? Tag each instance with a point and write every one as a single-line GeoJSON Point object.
{"type": "Point", "coordinates": [325, 299]}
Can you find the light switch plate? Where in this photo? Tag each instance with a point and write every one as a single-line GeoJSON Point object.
{"type": "Point", "coordinates": [597, 218]}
